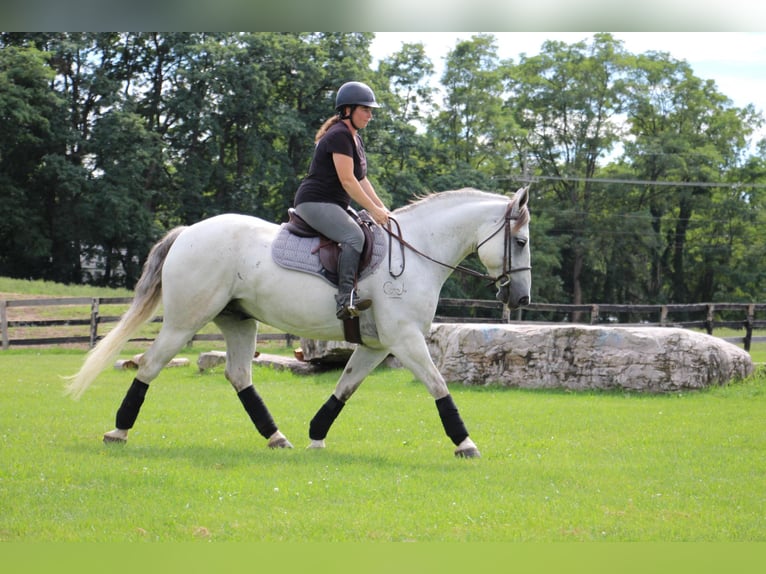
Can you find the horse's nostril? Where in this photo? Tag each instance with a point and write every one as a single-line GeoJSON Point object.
{"type": "Point", "coordinates": [523, 301]}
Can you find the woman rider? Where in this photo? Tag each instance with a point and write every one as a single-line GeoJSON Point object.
{"type": "Point", "coordinates": [338, 174]}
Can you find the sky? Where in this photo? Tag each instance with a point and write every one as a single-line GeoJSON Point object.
{"type": "Point", "coordinates": [393, 15]}
{"type": "Point", "coordinates": [736, 61]}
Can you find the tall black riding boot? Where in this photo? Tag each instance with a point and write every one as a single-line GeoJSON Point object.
{"type": "Point", "coordinates": [348, 305]}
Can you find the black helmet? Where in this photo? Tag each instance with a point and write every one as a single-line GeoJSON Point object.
{"type": "Point", "coordinates": [355, 94]}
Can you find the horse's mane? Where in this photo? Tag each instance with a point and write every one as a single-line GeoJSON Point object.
{"type": "Point", "coordinates": [441, 196]}
{"type": "Point", "coordinates": [465, 192]}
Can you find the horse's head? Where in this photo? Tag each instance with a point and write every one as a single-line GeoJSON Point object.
{"type": "Point", "coordinates": [506, 255]}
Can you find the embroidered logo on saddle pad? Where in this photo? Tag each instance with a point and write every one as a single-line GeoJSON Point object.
{"type": "Point", "coordinates": [319, 256]}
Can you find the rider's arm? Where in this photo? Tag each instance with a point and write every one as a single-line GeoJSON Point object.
{"type": "Point", "coordinates": [360, 191]}
{"type": "Point", "coordinates": [370, 191]}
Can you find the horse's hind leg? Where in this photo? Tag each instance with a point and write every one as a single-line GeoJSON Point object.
{"type": "Point", "coordinates": [240, 333]}
{"type": "Point", "coordinates": [168, 342]}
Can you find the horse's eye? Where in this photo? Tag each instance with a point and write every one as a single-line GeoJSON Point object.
{"type": "Point", "coordinates": [521, 241]}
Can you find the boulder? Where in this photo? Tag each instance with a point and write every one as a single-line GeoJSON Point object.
{"type": "Point", "coordinates": [280, 363]}
{"type": "Point", "coordinates": [333, 354]}
{"type": "Point", "coordinates": [212, 359]}
{"type": "Point", "coordinates": [135, 361]}
{"type": "Point", "coordinates": [326, 352]}
{"type": "Point", "coordinates": [584, 357]}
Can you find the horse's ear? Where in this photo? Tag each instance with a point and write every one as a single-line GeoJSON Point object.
{"type": "Point", "coordinates": [521, 197]}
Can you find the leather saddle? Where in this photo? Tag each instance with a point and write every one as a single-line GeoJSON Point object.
{"type": "Point", "coordinates": [329, 250]}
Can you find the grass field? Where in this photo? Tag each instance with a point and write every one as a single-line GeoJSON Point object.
{"type": "Point", "coordinates": [556, 466]}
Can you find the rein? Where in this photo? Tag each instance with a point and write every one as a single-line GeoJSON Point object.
{"type": "Point", "coordinates": [505, 276]}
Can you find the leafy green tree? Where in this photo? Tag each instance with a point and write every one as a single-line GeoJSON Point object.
{"type": "Point", "coordinates": [468, 128]}
{"type": "Point", "coordinates": [684, 130]}
{"type": "Point", "coordinates": [122, 226]}
{"type": "Point", "coordinates": [401, 147]}
{"type": "Point", "coordinates": [31, 145]}
{"type": "Point", "coordinates": [567, 100]}
{"type": "Point", "coordinates": [311, 69]}
{"type": "Point", "coordinates": [111, 138]}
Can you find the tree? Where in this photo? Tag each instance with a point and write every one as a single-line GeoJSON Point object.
{"type": "Point", "coordinates": [31, 146]}
{"type": "Point", "coordinates": [309, 71]}
{"type": "Point", "coordinates": [471, 127]}
{"type": "Point", "coordinates": [401, 147]}
{"type": "Point", "coordinates": [567, 100]}
{"type": "Point", "coordinates": [109, 139]}
{"type": "Point", "coordinates": [685, 131]}
{"type": "Point", "coordinates": [122, 224]}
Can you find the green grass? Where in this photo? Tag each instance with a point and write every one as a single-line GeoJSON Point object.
{"type": "Point", "coordinates": [51, 289]}
{"type": "Point", "coordinates": [556, 466]}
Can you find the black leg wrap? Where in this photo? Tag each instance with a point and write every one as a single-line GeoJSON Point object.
{"type": "Point", "coordinates": [258, 412]}
{"type": "Point", "coordinates": [453, 424]}
{"type": "Point", "coordinates": [322, 421]}
{"type": "Point", "coordinates": [131, 404]}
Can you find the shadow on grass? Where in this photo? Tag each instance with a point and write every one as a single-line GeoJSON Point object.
{"type": "Point", "coordinates": [222, 456]}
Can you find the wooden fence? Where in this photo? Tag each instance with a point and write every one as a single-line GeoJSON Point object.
{"type": "Point", "coordinates": [92, 320]}
{"type": "Point", "coordinates": [707, 316]}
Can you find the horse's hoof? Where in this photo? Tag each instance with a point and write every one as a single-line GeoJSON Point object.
{"type": "Point", "coordinates": [280, 442]}
{"type": "Point", "coordinates": [315, 445]}
{"type": "Point", "coordinates": [111, 439]}
{"type": "Point", "coordinates": [471, 452]}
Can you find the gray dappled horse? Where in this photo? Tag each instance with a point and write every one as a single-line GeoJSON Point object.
{"type": "Point", "coordinates": [221, 269]}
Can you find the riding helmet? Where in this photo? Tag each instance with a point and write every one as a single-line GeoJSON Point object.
{"type": "Point", "coordinates": [355, 94]}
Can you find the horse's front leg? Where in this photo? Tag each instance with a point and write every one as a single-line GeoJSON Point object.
{"type": "Point", "coordinates": [412, 351]}
{"type": "Point", "coordinates": [361, 363]}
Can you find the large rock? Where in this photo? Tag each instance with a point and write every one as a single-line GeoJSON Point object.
{"type": "Point", "coordinates": [326, 352]}
{"type": "Point", "coordinates": [212, 359]}
{"type": "Point", "coordinates": [583, 357]}
{"type": "Point", "coordinates": [135, 361]}
{"type": "Point", "coordinates": [334, 354]}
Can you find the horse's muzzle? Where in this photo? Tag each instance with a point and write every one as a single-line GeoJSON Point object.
{"type": "Point", "coordinates": [504, 295]}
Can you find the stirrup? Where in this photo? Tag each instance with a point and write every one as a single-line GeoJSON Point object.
{"type": "Point", "coordinates": [358, 304]}
{"type": "Point", "coordinates": [344, 313]}
{"type": "Point", "coordinates": [353, 308]}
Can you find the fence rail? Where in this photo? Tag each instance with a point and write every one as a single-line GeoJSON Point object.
{"type": "Point", "coordinates": [707, 316]}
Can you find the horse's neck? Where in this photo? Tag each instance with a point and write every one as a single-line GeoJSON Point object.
{"type": "Point", "coordinates": [447, 230]}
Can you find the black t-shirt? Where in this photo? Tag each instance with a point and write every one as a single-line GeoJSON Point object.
{"type": "Point", "coordinates": [322, 183]}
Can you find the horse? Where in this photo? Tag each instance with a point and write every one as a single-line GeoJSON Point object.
{"type": "Point", "coordinates": [221, 269]}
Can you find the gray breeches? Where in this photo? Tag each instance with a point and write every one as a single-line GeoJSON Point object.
{"type": "Point", "coordinates": [333, 222]}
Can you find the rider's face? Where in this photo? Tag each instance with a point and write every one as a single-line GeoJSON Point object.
{"type": "Point", "coordinates": [361, 116]}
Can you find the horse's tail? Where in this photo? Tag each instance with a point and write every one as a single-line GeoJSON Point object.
{"type": "Point", "coordinates": [146, 299]}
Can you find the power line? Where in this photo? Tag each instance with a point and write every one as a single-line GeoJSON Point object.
{"type": "Point", "coordinates": [536, 178]}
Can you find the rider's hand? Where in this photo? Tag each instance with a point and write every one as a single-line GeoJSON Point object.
{"type": "Point", "coordinates": [380, 215]}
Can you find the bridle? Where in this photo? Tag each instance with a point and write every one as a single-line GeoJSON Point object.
{"type": "Point", "coordinates": [503, 279]}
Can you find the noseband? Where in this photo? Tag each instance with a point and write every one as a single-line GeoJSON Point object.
{"type": "Point", "coordinates": [503, 279]}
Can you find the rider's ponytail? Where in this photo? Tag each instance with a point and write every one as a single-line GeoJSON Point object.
{"type": "Point", "coordinates": [326, 126]}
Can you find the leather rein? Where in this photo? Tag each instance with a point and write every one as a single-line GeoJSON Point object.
{"type": "Point", "coordinates": [504, 277]}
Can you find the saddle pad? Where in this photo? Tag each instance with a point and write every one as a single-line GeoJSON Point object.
{"type": "Point", "coordinates": [302, 253]}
